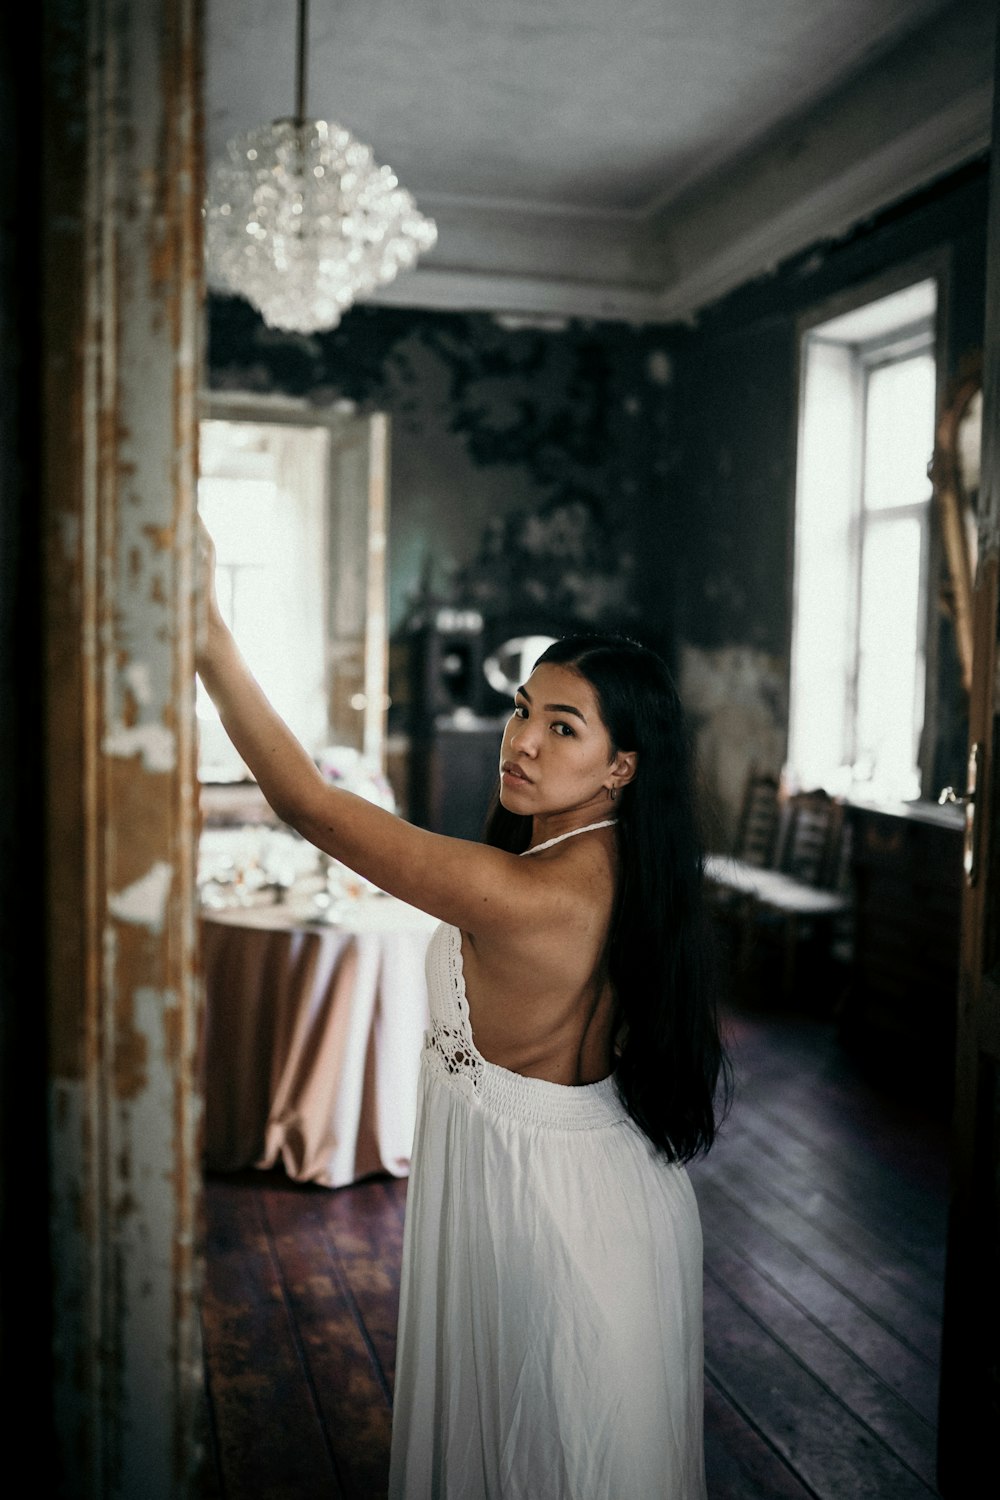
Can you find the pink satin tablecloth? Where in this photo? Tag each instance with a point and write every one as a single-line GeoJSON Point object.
{"type": "Point", "coordinates": [313, 1038]}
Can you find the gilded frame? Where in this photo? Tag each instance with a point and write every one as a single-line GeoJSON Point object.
{"type": "Point", "coordinates": [954, 475]}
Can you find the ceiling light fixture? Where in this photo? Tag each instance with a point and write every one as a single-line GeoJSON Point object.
{"type": "Point", "coordinates": [302, 221]}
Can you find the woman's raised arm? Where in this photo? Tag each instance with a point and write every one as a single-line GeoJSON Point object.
{"type": "Point", "coordinates": [470, 885]}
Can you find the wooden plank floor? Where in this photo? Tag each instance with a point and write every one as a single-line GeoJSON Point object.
{"type": "Point", "coordinates": [823, 1206]}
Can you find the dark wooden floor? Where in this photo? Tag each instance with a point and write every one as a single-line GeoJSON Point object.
{"type": "Point", "coordinates": [823, 1206]}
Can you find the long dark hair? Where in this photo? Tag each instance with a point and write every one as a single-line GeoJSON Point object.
{"type": "Point", "coordinates": [672, 1072]}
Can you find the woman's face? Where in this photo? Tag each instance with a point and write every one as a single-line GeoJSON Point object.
{"type": "Point", "coordinates": [556, 752]}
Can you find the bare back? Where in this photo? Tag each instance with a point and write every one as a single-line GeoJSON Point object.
{"type": "Point", "coordinates": [540, 1000]}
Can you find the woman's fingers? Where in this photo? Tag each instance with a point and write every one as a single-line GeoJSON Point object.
{"type": "Point", "coordinates": [207, 601]}
{"type": "Point", "coordinates": [206, 559]}
{"type": "Point", "coordinates": [206, 547]}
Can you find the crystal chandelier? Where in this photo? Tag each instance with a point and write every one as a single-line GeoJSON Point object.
{"type": "Point", "coordinates": [302, 221]}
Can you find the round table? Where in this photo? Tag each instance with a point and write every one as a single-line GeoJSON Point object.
{"type": "Point", "coordinates": [313, 1037]}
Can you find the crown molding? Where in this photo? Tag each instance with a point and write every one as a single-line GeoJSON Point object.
{"type": "Point", "coordinates": [865, 187]}
{"type": "Point", "coordinates": [533, 298]}
{"type": "Point", "coordinates": [912, 116]}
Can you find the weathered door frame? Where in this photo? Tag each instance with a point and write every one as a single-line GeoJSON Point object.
{"type": "Point", "coordinates": [121, 350]}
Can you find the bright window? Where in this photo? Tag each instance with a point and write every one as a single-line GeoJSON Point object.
{"type": "Point", "coordinates": [262, 493]}
{"type": "Point", "coordinates": [863, 511]}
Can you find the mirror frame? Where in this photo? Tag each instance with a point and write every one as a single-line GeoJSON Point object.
{"type": "Point", "coordinates": [956, 507]}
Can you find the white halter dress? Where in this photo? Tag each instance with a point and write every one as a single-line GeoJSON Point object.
{"type": "Point", "coordinates": [550, 1319]}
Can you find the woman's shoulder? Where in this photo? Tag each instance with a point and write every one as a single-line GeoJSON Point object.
{"type": "Point", "coordinates": [573, 880]}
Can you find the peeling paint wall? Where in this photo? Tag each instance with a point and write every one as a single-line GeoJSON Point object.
{"type": "Point", "coordinates": [736, 700]}
{"type": "Point", "coordinates": [122, 375]}
{"type": "Point", "coordinates": [495, 429]}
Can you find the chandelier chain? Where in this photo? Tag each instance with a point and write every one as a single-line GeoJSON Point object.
{"type": "Point", "coordinates": [301, 43]}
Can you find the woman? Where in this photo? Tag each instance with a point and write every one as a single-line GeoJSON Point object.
{"type": "Point", "coordinates": [550, 1326]}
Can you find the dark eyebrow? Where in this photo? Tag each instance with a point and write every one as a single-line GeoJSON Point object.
{"type": "Point", "coordinates": [554, 708]}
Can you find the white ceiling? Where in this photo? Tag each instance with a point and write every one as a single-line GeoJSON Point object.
{"type": "Point", "coordinates": [634, 158]}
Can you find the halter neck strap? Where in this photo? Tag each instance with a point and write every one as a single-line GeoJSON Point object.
{"type": "Point", "coordinates": [605, 823]}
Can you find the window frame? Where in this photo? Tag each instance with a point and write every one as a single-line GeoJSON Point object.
{"type": "Point", "coordinates": [934, 266]}
{"type": "Point", "coordinates": [362, 527]}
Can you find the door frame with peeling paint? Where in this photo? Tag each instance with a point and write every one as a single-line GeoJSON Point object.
{"type": "Point", "coordinates": [122, 302]}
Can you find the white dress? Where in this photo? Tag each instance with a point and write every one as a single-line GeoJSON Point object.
{"type": "Point", "coordinates": [550, 1319]}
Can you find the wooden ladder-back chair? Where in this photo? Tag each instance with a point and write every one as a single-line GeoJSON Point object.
{"type": "Point", "coordinates": [730, 878]}
{"type": "Point", "coordinates": [757, 835]}
{"type": "Point", "coordinates": [805, 899]}
{"type": "Point", "coordinates": [809, 838]}
{"type": "Point", "coordinates": [786, 881]}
